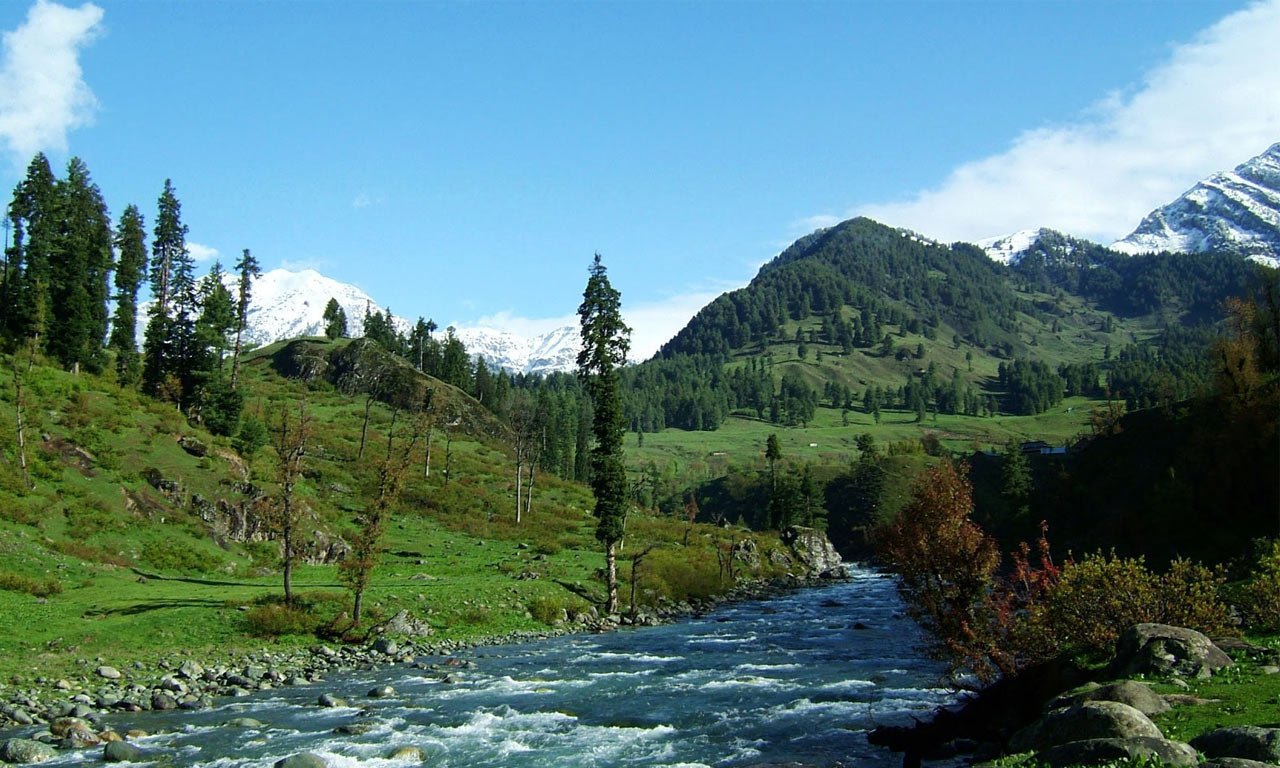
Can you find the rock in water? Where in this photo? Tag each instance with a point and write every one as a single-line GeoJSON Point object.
{"type": "Point", "coordinates": [302, 760]}
{"type": "Point", "coordinates": [407, 753]}
{"type": "Point", "coordinates": [329, 700]}
{"type": "Point", "coordinates": [121, 752]}
{"type": "Point", "coordinates": [382, 692]}
{"type": "Point", "coordinates": [26, 751]}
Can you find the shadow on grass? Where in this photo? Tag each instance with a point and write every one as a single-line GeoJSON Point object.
{"type": "Point", "coordinates": [155, 605]}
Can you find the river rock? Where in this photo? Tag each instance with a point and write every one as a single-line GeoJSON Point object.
{"type": "Point", "coordinates": [329, 700]}
{"type": "Point", "coordinates": [1159, 649]}
{"type": "Point", "coordinates": [243, 722]}
{"type": "Point", "coordinates": [382, 692]}
{"type": "Point", "coordinates": [1096, 751]}
{"type": "Point", "coordinates": [26, 751]}
{"type": "Point", "coordinates": [62, 725]}
{"type": "Point", "coordinates": [386, 646]}
{"type": "Point", "coordinates": [1131, 692]}
{"type": "Point", "coordinates": [78, 736]}
{"type": "Point", "coordinates": [110, 673]}
{"type": "Point", "coordinates": [1245, 741]}
{"type": "Point", "coordinates": [1090, 720]}
{"type": "Point", "coordinates": [407, 753]}
{"type": "Point", "coordinates": [405, 623]}
{"type": "Point", "coordinates": [163, 701]}
{"type": "Point", "coordinates": [814, 551]}
{"type": "Point", "coordinates": [191, 669]}
{"type": "Point", "coordinates": [121, 752]}
{"type": "Point", "coordinates": [303, 760]}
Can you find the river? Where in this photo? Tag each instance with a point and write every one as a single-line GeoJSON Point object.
{"type": "Point", "coordinates": [799, 678]}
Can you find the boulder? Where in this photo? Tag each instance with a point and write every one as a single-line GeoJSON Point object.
{"type": "Point", "coordinates": [1250, 742]}
{"type": "Point", "coordinates": [78, 736]}
{"type": "Point", "coordinates": [814, 551]}
{"type": "Point", "coordinates": [329, 700]}
{"type": "Point", "coordinates": [163, 701]}
{"type": "Point", "coordinates": [407, 753]}
{"type": "Point", "coordinates": [121, 752]}
{"type": "Point", "coordinates": [745, 552]}
{"type": "Point", "coordinates": [404, 623]}
{"type": "Point", "coordinates": [382, 692]}
{"type": "Point", "coordinates": [1090, 720]}
{"type": "Point", "coordinates": [1159, 649]}
{"type": "Point", "coordinates": [1097, 751]}
{"type": "Point", "coordinates": [302, 760]}
{"type": "Point", "coordinates": [1131, 692]}
{"type": "Point", "coordinates": [110, 673]}
{"type": "Point", "coordinates": [1234, 762]}
{"type": "Point", "coordinates": [244, 722]}
{"type": "Point", "coordinates": [193, 446]}
{"type": "Point", "coordinates": [26, 751]}
{"type": "Point", "coordinates": [386, 646]}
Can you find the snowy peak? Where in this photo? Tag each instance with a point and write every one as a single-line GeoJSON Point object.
{"type": "Point", "coordinates": [551, 352]}
{"type": "Point", "coordinates": [1237, 212]}
{"type": "Point", "coordinates": [1011, 248]}
{"type": "Point", "coordinates": [285, 305]}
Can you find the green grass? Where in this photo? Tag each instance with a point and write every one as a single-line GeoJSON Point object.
{"type": "Point", "coordinates": [93, 526]}
{"type": "Point", "coordinates": [1238, 695]}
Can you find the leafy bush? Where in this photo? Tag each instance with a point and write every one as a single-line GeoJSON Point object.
{"type": "Point", "coordinates": [251, 437]}
{"type": "Point", "coordinates": [1260, 597]}
{"type": "Point", "coordinates": [275, 619]}
{"type": "Point", "coordinates": [90, 553]}
{"type": "Point", "coordinates": [170, 555]}
{"type": "Point", "coordinates": [554, 610]}
{"type": "Point", "coordinates": [681, 575]}
{"type": "Point", "coordinates": [15, 582]}
{"type": "Point", "coordinates": [85, 519]}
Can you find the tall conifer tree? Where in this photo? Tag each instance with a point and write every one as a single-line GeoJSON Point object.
{"type": "Point", "coordinates": [171, 278]}
{"type": "Point", "coordinates": [248, 269]}
{"type": "Point", "coordinates": [131, 266]}
{"type": "Point", "coordinates": [35, 228]}
{"type": "Point", "coordinates": [605, 343]}
{"type": "Point", "coordinates": [78, 272]}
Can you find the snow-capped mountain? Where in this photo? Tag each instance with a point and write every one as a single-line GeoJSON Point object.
{"type": "Point", "coordinates": [284, 305]}
{"type": "Point", "coordinates": [1011, 248]}
{"type": "Point", "coordinates": [1237, 211]}
{"type": "Point", "coordinates": [554, 351]}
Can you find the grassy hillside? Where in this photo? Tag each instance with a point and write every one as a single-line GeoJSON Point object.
{"type": "Point", "coordinates": [144, 533]}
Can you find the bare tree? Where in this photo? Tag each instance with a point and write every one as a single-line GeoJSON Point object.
{"type": "Point", "coordinates": [524, 427]}
{"type": "Point", "coordinates": [636, 560]}
{"type": "Point", "coordinates": [290, 440]}
{"type": "Point", "coordinates": [371, 523]}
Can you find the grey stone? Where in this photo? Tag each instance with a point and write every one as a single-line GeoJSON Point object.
{"type": "Point", "coordinates": [163, 701]}
{"type": "Point", "coordinates": [1250, 742]}
{"type": "Point", "coordinates": [302, 760]}
{"type": "Point", "coordinates": [191, 669]}
{"type": "Point", "coordinates": [26, 751]}
{"type": "Point", "coordinates": [1160, 649]}
{"type": "Point", "coordinates": [243, 722]}
{"type": "Point", "coordinates": [1234, 762]}
{"type": "Point", "coordinates": [382, 692]}
{"type": "Point", "coordinates": [386, 645]}
{"type": "Point", "coordinates": [329, 700]}
{"type": "Point", "coordinates": [1095, 751]}
{"type": "Point", "coordinates": [121, 752]}
{"type": "Point", "coordinates": [111, 673]}
{"type": "Point", "coordinates": [1090, 720]}
{"type": "Point", "coordinates": [1130, 692]}
{"type": "Point", "coordinates": [407, 753]}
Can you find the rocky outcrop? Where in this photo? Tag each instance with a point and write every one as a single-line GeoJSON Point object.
{"type": "Point", "coordinates": [814, 552]}
{"type": "Point", "coordinates": [1090, 720]}
{"type": "Point", "coordinates": [1159, 649]}
{"type": "Point", "coordinates": [1099, 751]}
{"type": "Point", "coordinates": [1242, 741]}
{"type": "Point", "coordinates": [1130, 692]}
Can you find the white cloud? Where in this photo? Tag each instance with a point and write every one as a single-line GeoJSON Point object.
{"type": "Point", "coordinates": [362, 200]}
{"type": "Point", "coordinates": [201, 252]}
{"type": "Point", "coordinates": [43, 94]}
{"type": "Point", "coordinates": [1212, 104]}
{"type": "Point", "coordinates": [298, 265]}
{"type": "Point", "coordinates": [508, 321]}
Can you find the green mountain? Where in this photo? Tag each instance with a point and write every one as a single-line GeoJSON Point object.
{"type": "Point", "coordinates": [863, 315]}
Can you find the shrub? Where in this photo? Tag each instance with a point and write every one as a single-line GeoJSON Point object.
{"type": "Point", "coordinates": [15, 582]}
{"type": "Point", "coordinates": [85, 519]}
{"type": "Point", "coordinates": [1260, 597]}
{"type": "Point", "coordinates": [170, 555]}
{"type": "Point", "coordinates": [251, 437]}
{"type": "Point", "coordinates": [275, 619]}
{"type": "Point", "coordinates": [1097, 599]}
{"type": "Point", "coordinates": [681, 575]}
{"type": "Point", "coordinates": [549, 610]}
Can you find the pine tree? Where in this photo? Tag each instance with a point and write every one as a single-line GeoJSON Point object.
{"type": "Point", "coordinates": [26, 300]}
{"type": "Point", "coordinates": [171, 275]}
{"type": "Point", "coordinates": [605, 342]}
{"type": "Point", "coordinates": [78, 271]}
{"type": "Point", "coordinates": [335, 321]}
{"type": "Point", "coordinates": [131, 265]}
{"type": "Point", "coordinates": [248, 269]}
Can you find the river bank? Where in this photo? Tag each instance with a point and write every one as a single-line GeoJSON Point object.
{"type": "Point", "coordinates": [184, 680]}
{"type": "Point", "coordinates": [798, 678]}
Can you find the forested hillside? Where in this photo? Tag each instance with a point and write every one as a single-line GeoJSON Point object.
{"type": "Point", "coordinates": [864, 316]}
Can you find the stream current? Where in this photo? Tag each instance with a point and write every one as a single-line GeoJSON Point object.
{"type": "Point", "coordinates": [800, 678]}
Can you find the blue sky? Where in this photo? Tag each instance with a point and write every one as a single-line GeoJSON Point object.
{"type": "Point", "coordinates": [463, 161]}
